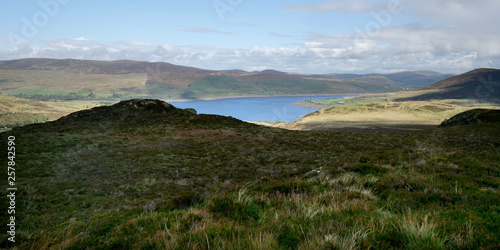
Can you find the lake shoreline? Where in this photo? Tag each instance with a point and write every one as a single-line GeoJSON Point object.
{"type": "Point", "coordinates": [250, 96]}
{"type": "Point", "coordinates": [312, 105]}
{"type": "Point", "coordinates": [256, 107]}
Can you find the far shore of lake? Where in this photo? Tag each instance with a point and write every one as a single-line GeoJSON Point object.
{"type": "Point", "coordinates": [312, 105]}
{"type": "Point", "coordinates": [247, 96]}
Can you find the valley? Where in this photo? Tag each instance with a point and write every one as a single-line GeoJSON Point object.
{"type": "Point", "coordinates": [65, 86]}
{"type": "Point", "coordinates": [370, 171]}
{"type": "Point", "coordinates": [230, 124]}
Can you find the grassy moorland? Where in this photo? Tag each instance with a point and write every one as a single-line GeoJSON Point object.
{"type": "Point", "coordinates": [64, 85]}
{"type": "Point", "coordinates": [377, 115]}
{"type": "Point", "coordinates": [383, 112]}
{"type": "Point", "coordinates": [15, 112]}
{"type": "Point", "coordinates": [142, 174]}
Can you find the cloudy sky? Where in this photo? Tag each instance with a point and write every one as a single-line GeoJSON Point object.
{"type": "Point", "coordinates": [316, 36]}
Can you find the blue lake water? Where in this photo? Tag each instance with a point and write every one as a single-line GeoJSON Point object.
{"type": "Point", "coordinates": [255, 108]}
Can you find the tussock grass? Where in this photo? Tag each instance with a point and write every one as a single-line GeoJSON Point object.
{"type": "Point", "coordinates": [420, 233]}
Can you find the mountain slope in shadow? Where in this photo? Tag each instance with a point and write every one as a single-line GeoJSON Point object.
{"type": "Point", "coordinates": [481, 84]}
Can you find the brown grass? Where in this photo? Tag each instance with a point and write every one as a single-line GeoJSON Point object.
{"type": "Point", "coordinates": [378, 114]}
{"type": "Point", "coordinates": [69, 82]}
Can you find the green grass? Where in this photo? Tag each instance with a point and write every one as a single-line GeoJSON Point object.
{"type": "Point", "coordinates": [48, 85]}
{"type": "Point", "coordinates": [16, 111]}
{"type": "Point", "coordinates": [60, 85]}
{"type": "Point", "coordinates": [11, 120]}
{"type": "Point", "coordinates": [394, 96]}
{"type": "Point", "coordinates": [164, 90]}
{"type": "Point", "coordinates": [367, 112]}
{"type": "Point", "coordinates": [207, 182]}
{"type": "Point", "coordinates": [220, 85]}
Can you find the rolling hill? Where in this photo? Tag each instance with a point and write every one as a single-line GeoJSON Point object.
{"type": "Point", "coordinates": [70, 79]}
{"type": "Point", "coordinates": [409, 79]}
{"type": "Point", "coordinates": [479, 84]}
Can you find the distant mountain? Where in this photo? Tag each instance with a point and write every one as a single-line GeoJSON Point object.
{"type": "Point", "coordinates": [374, 79]}
{"type": "Point", "coordinates": [406, 79]}
{"type": "Point", "coordinates": [412, 79]}
{"type": "Point", "coordinates": [83, 66]}
{"type": "Point", "coordinates": [71, 79]}
{"type": "Point", "coordinates": [418, 78]}
{"type": "Point", "coordinates": [469, 78]}
{"type": "Point", "coordinates": [273, 72]}
{"type": "Point", "coordinates": [179, 75]}
{"type": "Point", "coordinates": [476, 84]}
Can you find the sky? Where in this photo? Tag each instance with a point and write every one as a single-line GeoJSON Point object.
{"type": "Point", "coordinates": [311, 37]}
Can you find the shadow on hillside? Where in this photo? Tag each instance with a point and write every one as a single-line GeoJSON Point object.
{"type": "Point", "coordinates": [367, 127]}
{"type": "Point", "coordinates": [388, 129]}
{"type": "Point", "coordinates": [479, 92]}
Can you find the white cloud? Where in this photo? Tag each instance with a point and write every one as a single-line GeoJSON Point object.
{"type": "Point", "coordinates": [67, 46]}
{"type": "Point", "coordinates": [453, 36]}
{"type": "Point", "coordinates": [459, 35]}
{"type": "Point", "coordinates": [462, 36]}
{"type": "Point", "coordinates": [404, 48]}
{"type": "Point", "coordinates": [475, 18]}
{"type": "Point", "coordinates": [112, 50]}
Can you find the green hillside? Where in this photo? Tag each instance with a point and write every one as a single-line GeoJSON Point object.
{"type": "Point", "coordinates": [61, 85]}
{"type": "Point", "coordinates": [407, 79]}
{"type": "Point", "coordinates": [220, 85]}
{"type": "Point", "coordinates": [297, 86]}
{"type": "Point", "coordinates": [69, 79]}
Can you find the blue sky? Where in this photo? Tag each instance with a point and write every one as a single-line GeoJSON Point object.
{"type": "Point", "coordinates": [321, 36]}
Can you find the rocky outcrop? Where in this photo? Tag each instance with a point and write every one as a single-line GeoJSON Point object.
{"type": "Point", "coordinates": [474, 116]}
{"type": "Point", "coordinates": [135, 111]}
{"type": "Point", "coordinates": [131, 114]}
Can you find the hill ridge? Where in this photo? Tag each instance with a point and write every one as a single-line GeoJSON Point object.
{"type": "Point", "coordinates": [480, 84]}
{"type": "Point", "coordinates": [464, 78]}
{"type": "Point", "coordinates": [129, 114]}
